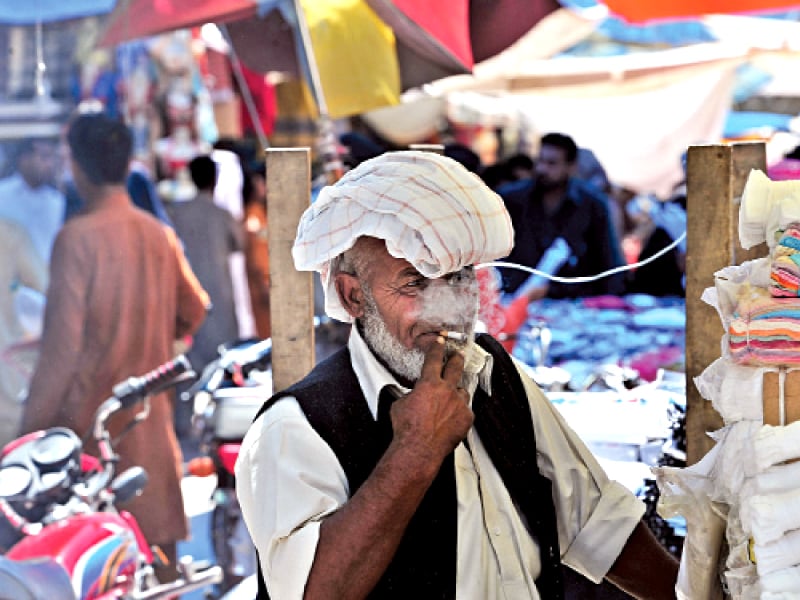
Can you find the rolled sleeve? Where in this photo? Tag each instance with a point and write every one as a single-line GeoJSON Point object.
{"type": "Point", "coordinates": [287, 480]}
{"type": "Point", "coordinates": [610, 524]}
{"type": "Point", "coordinates": [596, 515]}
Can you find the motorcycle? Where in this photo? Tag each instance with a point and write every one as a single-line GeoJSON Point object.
{"type": "Point", "coordinates": [61, 531]}
{"type": "Point", "coordinates": [226, 397]}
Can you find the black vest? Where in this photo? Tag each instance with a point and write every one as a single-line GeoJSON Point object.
{"type": "Point", "coordinates": [424, 565]}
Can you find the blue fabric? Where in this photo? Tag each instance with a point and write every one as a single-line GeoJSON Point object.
{"type": "Point", "coordinates": [740, 122]}
{"type": "Point", "coordinates": [46, 11]}
{"type": "Point", "coordinates": [790, 242]}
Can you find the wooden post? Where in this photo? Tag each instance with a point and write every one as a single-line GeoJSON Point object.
{"type": "Point", "coordinates": [291, 291]}
{"type": "Point", "coordinates": [715, 178]}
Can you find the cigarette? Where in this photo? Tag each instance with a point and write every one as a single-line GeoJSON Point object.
{"type": "Point", "coordinates": [455, 335]}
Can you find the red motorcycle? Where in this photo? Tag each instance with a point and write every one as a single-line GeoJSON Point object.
{"type": "Point", "coordinates": [61, 532]}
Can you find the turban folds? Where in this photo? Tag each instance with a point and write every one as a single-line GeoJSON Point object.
{"type": "Point", "coordinates": [430, 210]}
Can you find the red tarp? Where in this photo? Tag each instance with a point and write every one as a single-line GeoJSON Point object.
{"type": "Point", "coordinates": [638, 11]}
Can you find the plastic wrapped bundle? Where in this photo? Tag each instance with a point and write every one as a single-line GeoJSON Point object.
{"type": "Point", "coordinates": [767, 208]}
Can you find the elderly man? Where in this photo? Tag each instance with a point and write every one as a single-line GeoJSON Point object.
{"type": "Point", "coordinates": [420, 461]}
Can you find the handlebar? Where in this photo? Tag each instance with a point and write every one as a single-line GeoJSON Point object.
{"type": "Point", "coordinates": [134, 389]}
{"type": "Point", "coordinates": [238, 358]}
{"type": "Point", "coordinates": [124, 395]}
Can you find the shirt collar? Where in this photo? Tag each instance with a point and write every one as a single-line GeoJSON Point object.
{"type": "Point", "coordinates": [373, 376]}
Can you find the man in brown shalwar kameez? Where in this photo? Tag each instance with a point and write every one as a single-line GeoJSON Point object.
{"type": "Point", "coordinates": [121, 292]}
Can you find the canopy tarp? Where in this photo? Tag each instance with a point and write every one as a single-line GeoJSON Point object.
{"type": "Point", "coordinates": [367, 51]}
{"type": "Point", "coordinates": [637, 112]}
{"type": "Point", "coordinates": [637, 11]}
{"type": "Point", "coordinates": [28, 12]}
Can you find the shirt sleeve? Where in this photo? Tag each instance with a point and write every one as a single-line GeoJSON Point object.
{"type": "Point", "coordinates": [193, 301]}
{"type": "Point", "coordinates": [287, 480]}
{"type": "Point", "coordinates": [596, 516]}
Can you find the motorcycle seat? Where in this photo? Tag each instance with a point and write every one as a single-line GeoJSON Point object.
{"type": "Point", "coordinates": [34, 579]}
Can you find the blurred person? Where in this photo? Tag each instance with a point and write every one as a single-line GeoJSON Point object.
{"type": "Point", "coordinates": [410, 466]}
{"type": "Point", "coordinates": [497, 175]}
{"type": "Point", "coordinates": [257, 247]}
{"type": "Point", "coordinates": [227, 153]}
{"type": "Point", "coordinates": [140, 188]}
{"type": "Point", "coordinates": [646, 237]}
{"type": "Point", "coordinates": [142, 191]}
{"type": "Point", "coordinates": [210, 235]}
{"type": "Point", "coordinates": [358, 148]}
{"type": "Point", "coordinates": [28, 196]}
{"type": "Point", "coordinates": [465, 155]}
{"type": "Point", "coordinates": [589, 169]}
{"type": "Point", "coordinates": [520, 165]}
{"type": "Point", "coordinates": [562, 227]}
{"type": "Point", "coordinates": [121, 293]}
{"type": "Point", "coordinates": [22, 270]}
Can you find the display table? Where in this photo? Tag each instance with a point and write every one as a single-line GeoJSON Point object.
{"type": "Point", "coordinates": [645, 333]}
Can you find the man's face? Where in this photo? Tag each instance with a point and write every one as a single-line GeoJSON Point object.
{"type": "Point", "coordinates": [38, 167]}
{"type": "Point", "coordinates": [552, 168]}
{"type": "Point", "coordinates": [404, 312]}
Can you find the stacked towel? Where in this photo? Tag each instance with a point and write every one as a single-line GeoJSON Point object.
{"type": "Point", "coordinates": [764, 330]}
{"type": "Point", "coordinates": [785, 273]}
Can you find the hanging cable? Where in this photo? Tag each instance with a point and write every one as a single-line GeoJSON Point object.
{"type": "Point", "coordinates": [586, 278]}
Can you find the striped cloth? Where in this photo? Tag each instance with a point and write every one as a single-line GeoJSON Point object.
{"type": "Point", "coordinates": [785, 272]}
{"type": "Point", "coordinates": [431, 211]}
{"type": "Point", "coordinates": [764, 330]}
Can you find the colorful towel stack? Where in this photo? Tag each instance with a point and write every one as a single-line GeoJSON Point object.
{"type": "Point", "coordinates": [764, 330]}
{"type": "Point", "coordinates": [785, 272]}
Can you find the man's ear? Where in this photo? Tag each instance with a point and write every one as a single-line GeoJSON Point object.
{"type": "Point", "coordinates": [350, 294]}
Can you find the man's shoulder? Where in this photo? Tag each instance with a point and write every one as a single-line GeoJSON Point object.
{"type": "Point", "coordinates": [515, 190]}
{"type": "Point", "coordinates": [583, 192]}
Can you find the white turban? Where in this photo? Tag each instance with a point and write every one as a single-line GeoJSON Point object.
{"type": "Point", "coordinates": [430, 210]}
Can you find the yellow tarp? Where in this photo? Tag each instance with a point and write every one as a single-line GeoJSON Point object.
{"type": "Point", "coordinates": [356, 56]}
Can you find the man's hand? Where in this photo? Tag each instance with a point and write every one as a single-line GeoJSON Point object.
{"type": "Point", "coordinates": [435, 416]}
{"type": "Point", "coordinates": [358, 541]}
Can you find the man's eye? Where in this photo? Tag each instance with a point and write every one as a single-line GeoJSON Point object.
{"type": "Point", "coordinates": [416, 283]}
{"type": "Point", "coordinates": [465, 275]}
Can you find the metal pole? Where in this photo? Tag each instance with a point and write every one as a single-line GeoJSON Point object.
{"type": "Point", "coordinates": [246, 95]}
{"type": "Point", "coordinates": [332, 162]}
{"type": "Point", "coordinates": [311, 61]}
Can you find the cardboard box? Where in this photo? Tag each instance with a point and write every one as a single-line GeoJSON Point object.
{"type": "Point", "coordinates": [791, 397]}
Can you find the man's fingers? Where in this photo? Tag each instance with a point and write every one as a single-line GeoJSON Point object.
{"type": "Point", "coordinates": [453, 368]}
{"type": "Point", "coordinates": [432, 366]}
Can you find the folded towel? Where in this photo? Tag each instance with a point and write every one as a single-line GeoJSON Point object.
{"type": "Point", "coordinates": [776, 444]}
{"type": "Point", "coordinates": [768, 518]}
{"type": "Point", "coordinates": [778, 555]}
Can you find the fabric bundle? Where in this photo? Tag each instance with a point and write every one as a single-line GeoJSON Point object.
{"type": "Point", "coordinates": [785, 274]}
{"type": "Point", "coordinates": [764, 330]}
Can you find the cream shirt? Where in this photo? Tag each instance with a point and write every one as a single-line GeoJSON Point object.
{"type": "Point", "coordinates": [288, 480]}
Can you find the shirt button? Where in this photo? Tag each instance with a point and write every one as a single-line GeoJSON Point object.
{"type": "Point", "coordinates": [496, 531]}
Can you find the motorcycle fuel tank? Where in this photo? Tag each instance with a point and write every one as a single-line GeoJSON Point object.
{"type": "Point", "coordinates": [99, 551]}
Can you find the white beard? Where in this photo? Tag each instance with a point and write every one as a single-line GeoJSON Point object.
{"type": "Point", "coordinates": [402, 361]}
